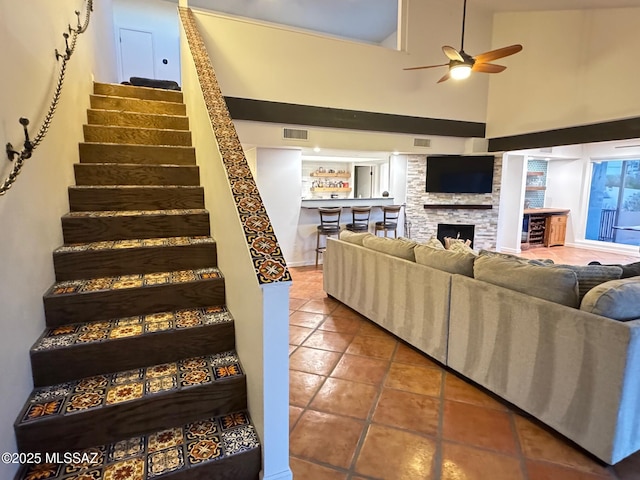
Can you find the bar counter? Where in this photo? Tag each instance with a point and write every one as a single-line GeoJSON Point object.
{"type": "Point", "coordinates": [346, 202]}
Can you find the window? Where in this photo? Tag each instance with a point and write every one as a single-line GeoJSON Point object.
{"type": "Point", "coordinates": [614, 202]}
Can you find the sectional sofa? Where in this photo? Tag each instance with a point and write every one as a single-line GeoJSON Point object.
{"type": "Point", "coordinates": [566, 352]}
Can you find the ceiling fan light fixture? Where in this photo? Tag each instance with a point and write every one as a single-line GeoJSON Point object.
{"type": "Point", "coordinates": [460, 71]}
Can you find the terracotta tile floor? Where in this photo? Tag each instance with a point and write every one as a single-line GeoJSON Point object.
{"type": "Point", "coordinates": [364, 405]}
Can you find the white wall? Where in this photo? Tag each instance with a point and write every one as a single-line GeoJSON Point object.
{"type": "Point", "coordinates": [30, 211]}
{"type": "Point", "coordinates": [577, 67]}
{"type": "Point", "coordinates": [279, 179]}
{"type": "Point", "coordinates": [160, 18]}
{"type": "Point", "coordinates": [266, 62]}
{"type": "Point", "coordinates": [260, 311]}
{"type": "Point", "coordinates": [511, 203]}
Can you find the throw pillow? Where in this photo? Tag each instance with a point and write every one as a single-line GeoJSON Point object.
{"type": "Point", "coordinates": [461, 247]}
{"type": "Point", "coordinates": [616, 299]}
{"type": "Point", "coordinates": [353, 237]}
{"type": "Point", "coordinates": [445, 260]}
{"type": "Point", "coordinates": [449, 241]}
{"type": "Point", "coordinates": [396, 247]}
{"type": "Point", "coordinates": [433, 242]}
{"type": "Point", "coordinates": [556, 284]}
{"type": "Point", "coordinates": [590, 276]}
{"type": "Point", "coordinates": [630, 270]}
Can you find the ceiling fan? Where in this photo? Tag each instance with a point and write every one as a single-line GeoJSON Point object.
{"type": "Point", "coordinates": [462, 64]}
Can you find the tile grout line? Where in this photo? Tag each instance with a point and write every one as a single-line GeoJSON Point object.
{"type": "Point", "coordinates": [372, 409]}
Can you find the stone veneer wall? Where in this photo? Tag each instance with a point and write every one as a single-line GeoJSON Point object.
{"type": "Point", "coordinates": [424, 222]}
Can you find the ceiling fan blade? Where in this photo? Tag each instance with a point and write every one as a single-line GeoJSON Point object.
{"type": "Point", "coordinates": [498, 53]}
{"type": "Point", "coordinates": [426, 66]}
{"type": "Point", "coordinates": [487, 68]}
{"type": "Point", "coordinates": [452, 53]}
{"type": "Point", "coordinates": [444, 78]}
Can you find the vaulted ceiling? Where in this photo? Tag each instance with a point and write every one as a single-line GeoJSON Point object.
{"type": "Point", "coordinates": [373, 20]}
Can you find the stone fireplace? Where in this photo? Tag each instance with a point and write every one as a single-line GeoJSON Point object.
{"type": "Point", "coordinates": [455, 230]}
{"type": "Point", "coordinates": [425, 210]}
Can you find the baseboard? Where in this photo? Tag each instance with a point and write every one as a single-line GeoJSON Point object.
{"type": "Point", "coordinates": [513, 251]}
{"type": "Point", "coordinates": [302, 263]}
{"type": "Point", "coordinates": [285, 475]}
{"type": "Point", "coordinates": [630, 250]}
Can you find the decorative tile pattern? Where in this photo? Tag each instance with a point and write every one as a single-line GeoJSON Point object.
{"type": "Point", "coordinates": [101, 390]}
{"type": "Point", "coordinates": [267, 257]}
{"type": "Point", "coordinates": [133, 213]}
{"type": "Point", "coordinates": [132, 281]}
{"type": "Point", "coordinates": [156, 454]}
{"type": "Point", "coordinates": [57, 337]}
{"type": "Point", "coordinates": [135, 243]}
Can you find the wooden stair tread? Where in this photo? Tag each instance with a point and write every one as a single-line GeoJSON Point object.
{"type": "Point", "coordinates": [134, 243]}
{"type": "Point", "coordinates": [125, 282]}
{"type": "Point", "coordinates": [134, 187]}
{"type": "Point", "coordinates": [106, 110]}
{"type": "Point", "coordinates": [134, 213]}
{"type": "Point", "coordinates": [92, 152]}
{"type": "Point", "coordinates": [204, 444]}
{"type": "Point", "coordinates": [131, 99]}
{"type": "Point", "coordinates": [115, 128]}
{"type": "Point", "coordinates": [131, 91]}
{"type": "Point", "coordinates": [68, 398]}
{"type": "Point", "coordinates": [112, 330]}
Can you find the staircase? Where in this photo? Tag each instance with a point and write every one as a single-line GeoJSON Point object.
{"type": "Point", "coordinates": [136, 372]}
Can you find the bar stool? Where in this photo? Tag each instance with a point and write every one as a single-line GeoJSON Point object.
{"type": "Point", "coordinates": [329, 225]}
{"type": "Point", "coordinates": [390, 215]}
{"type": "Point", "coordinates": [359, 219]}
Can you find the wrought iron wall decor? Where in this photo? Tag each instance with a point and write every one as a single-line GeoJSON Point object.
{"type": "Point", "coordinates": [70, 39]}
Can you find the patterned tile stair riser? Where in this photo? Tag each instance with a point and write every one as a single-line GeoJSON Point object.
{"type": "Point", "coordinates": [153, 455]}
{"type": "Point", "coordinates": [131, 281]}
{"type": "Point", "coordinates": [134, 243]}
{"type": "Point", "coordinates": [85, 333]}
{"type": "Point", "coordinates": [110, 389]}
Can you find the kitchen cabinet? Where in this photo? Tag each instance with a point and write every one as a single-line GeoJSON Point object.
{"type": "Point", "coordinates": [555, 230]}
{"type": "Point", "coordinates": [544, 227]}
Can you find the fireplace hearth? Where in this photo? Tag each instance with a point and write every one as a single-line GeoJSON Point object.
{"type": "Point", "coordinates": [464, 232]}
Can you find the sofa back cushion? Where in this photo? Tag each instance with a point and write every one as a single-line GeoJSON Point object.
{"type": "Point", "coordinates": [354, 237]}
{"type": "Point", "coordinates": [530, 261]}
{"type": "Point", "coordinates": [445, 260]}
{"type": "Point", "coordinates": [617, 299]}
{"type": "Point", "coordinates": [556, 284]}
{"type": "Point", "coordinates": [397, 247]}
{"type": "Point", "coordinates": [590, 276]}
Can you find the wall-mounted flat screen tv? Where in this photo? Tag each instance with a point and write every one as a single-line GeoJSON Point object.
{"type": "Point", "coordinates": [460, 173]}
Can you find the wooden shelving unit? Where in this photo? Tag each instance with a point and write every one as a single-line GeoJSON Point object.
{"type": "Point", "coordinates": [331, 175]}
{"type": "Point", "coordinates": [330, 189]}
{"type": "Point", "coordinates": [535, 174]}
{"type": "Point", "coordinates": [535, 187]}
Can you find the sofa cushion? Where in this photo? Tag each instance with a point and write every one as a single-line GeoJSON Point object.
{"type": "Point", "coordinates": [537, 261]}
{"type": "Point", "coordinates": [396, 247]}
{"type": "Point", "coordinates": [617, 299]}
{"type": "Point", "coordinates": [556, 284]}
{"type": "Point", "coordinates": [590, 276]}
{"type": "Point", "coordinates": [353, 237]}
{"type": "Point", "coordinates": [445, 260]}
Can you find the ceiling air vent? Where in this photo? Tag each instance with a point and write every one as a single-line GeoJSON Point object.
{"type": "Point", "coordinates": [295, 134]}
{"type": "Point", "coordinates": [422, 142]}
{"type": "Point", "coordinates": [546, 150]}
